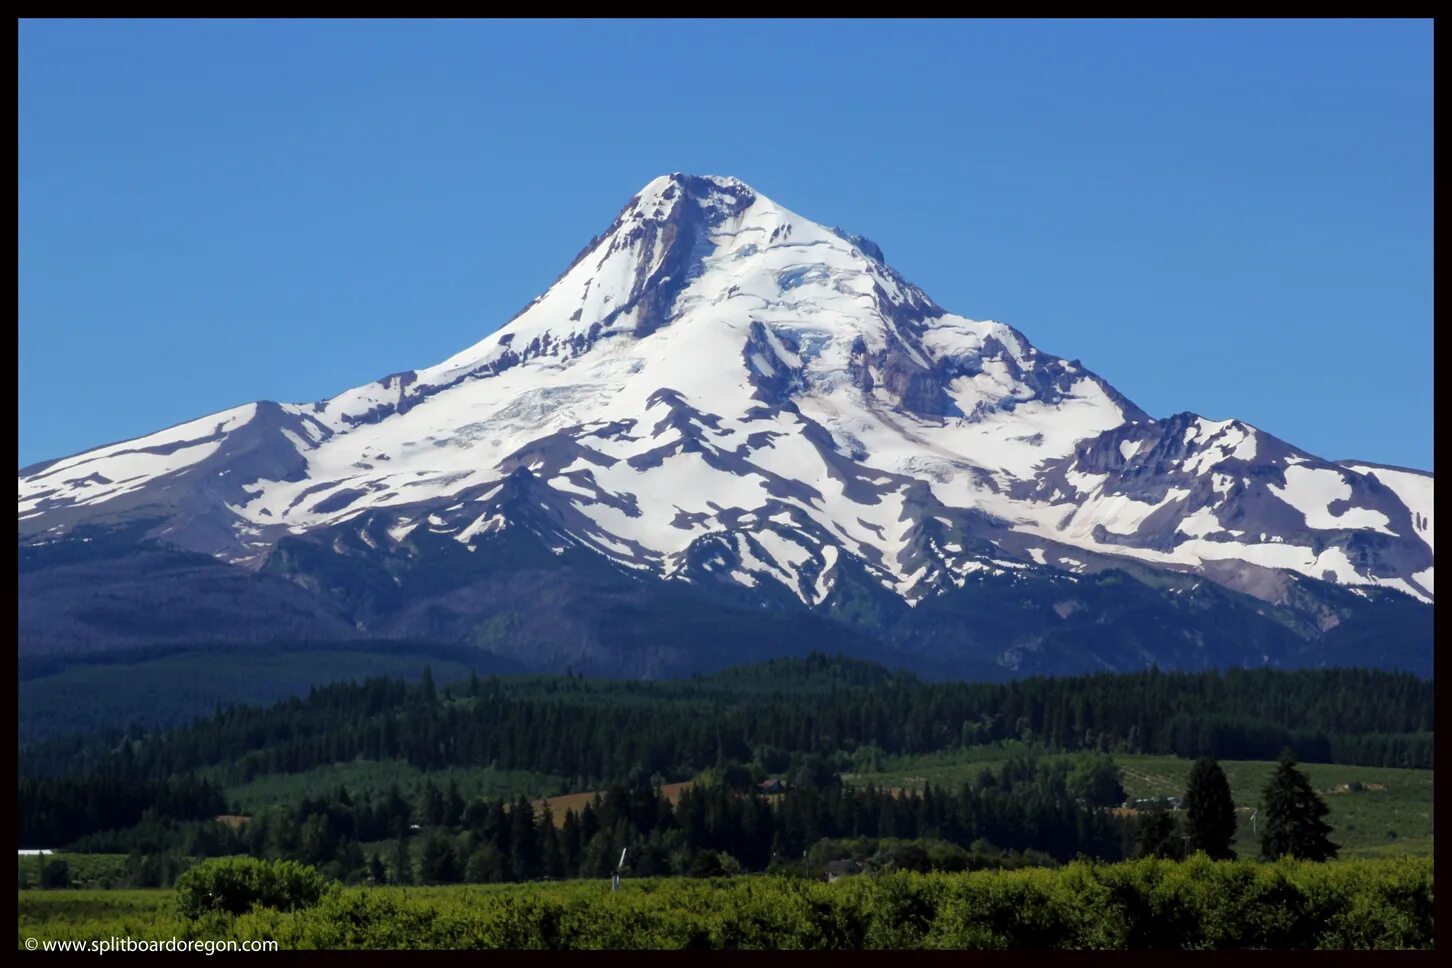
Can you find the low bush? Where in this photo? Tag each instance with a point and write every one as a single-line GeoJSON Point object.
{"type": "Point", "coordinates": [235, 885]}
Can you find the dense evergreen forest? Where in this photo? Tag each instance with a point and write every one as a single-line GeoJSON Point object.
{"type": "Point", "coordinates": [1024, 813]}
{"type": "Point", "coordinates": [805, 721]}
{"type": "Point", "coordinates": [603, 730]}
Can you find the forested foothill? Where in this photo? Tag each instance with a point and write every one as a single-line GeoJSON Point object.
{"type": "Point", "coordinates": [769, 767]}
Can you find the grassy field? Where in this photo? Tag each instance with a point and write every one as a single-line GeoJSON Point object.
{"type": "Point", "coordinates": [1391, 815]}
{"type": "Point", "coordinates": [1143, 904]}
{"type": "Point", "coordinates": [98, 914]}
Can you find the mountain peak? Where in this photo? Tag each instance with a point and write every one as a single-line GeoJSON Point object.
{"type": "Point", "coordinates": [694, 184]}
{"type": "Point", "coordinates": [718, 381]}
{"type": "Point", "coordinates": [710, 193]}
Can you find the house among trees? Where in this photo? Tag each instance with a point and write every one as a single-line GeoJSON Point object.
{"type": "Point", "coordinates": [1154, 803]}
{"type": "Point", "coordinates": [771, 786]}
{"type": "Point", "coordinates": [841, 868]}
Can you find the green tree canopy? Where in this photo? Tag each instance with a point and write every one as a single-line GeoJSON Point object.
{"type": "Point", "coordinates": [486, 865]}
{"type": "Point", "coordinates": [1095, 780]}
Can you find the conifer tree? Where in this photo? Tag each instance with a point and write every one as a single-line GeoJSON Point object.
{"type": "Point", "coordinates": [453, 805]}
{"type": "Point", "coordinates": [402, 861]}
{"type": "Point", "coordinates": [1209, 810]}
{"type": "Point", "coordinates": [1294, 816]}
{"type": "Point", "coordinates": [1159, 836]}
{"type": "Point", "coordinates": [552, 860]}
{"type": "Point", "coordinates": [570, 844]}
{"type": "Point", "coordinates": [376, 873]}
{"type": "Point", "coordinates": [438, 863]}
{"type": "Point", "coordinates": [523, 840]}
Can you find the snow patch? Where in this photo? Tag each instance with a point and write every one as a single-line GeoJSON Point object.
{"type": "Point", "coordinates": [1311, 490]}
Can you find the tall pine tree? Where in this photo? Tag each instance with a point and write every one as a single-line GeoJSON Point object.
{"type": "Point", "coordinates": [376, 872]}
{"type": "Point", "coordinates": [402, 861]}
{"type": "Point", "coordinates": [438, 861]}
{"type": "Point", "coordinates": [1209, 810]}
{"type": "Point", "coordinates": [1294, 816]}
{"type": "Point", "coordinates": [523, 840]}
{"type": "Point", "coordinates": [1158, 836]}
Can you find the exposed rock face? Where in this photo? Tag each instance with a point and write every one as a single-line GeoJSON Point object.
{"type": "Point", "coordinates": [723, 396]}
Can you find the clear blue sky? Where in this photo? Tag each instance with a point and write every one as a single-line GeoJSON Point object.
{"type": "Point", "coordinates": [1229, 218]}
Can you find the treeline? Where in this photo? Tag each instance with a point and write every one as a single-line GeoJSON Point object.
{"type": "Point", "coordinates": [1026, 811]}
{"type": "Point", "coordinates": [601, 731]}
{"type": "Point", "coordinates": [56, 812]}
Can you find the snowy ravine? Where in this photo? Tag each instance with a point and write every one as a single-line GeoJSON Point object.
{"type": "Point", "coordinates": [719, 390]}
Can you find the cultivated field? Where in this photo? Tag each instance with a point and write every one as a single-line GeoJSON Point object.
{"type": "Point", "coordinates": [576, 801]}
{"type": "Point", "coordinates": [1389, 814]}
{"type": "Point", "coordinates": [1140, 904]}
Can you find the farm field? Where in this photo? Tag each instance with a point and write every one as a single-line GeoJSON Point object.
{"type": "Point", "coordinates": [1391, 814]}
{"type": "Point", "coordinates": [1141, 904]}
{"type": "Point", "coordinates": [576, 801]}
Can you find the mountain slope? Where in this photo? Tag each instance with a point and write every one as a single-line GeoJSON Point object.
{"type": "Point", "coordinates": [757, 409]}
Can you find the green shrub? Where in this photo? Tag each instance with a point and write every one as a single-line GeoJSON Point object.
{"type": "Point", "coordinates": [1150, 903]}
{"type": "Point", "coordinates": [235, 885]}
{"type": "Point", "coordinates": [55, 873]}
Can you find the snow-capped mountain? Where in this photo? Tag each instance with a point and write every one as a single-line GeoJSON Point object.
{"type": "Point", "coordinates": [719, 394]}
